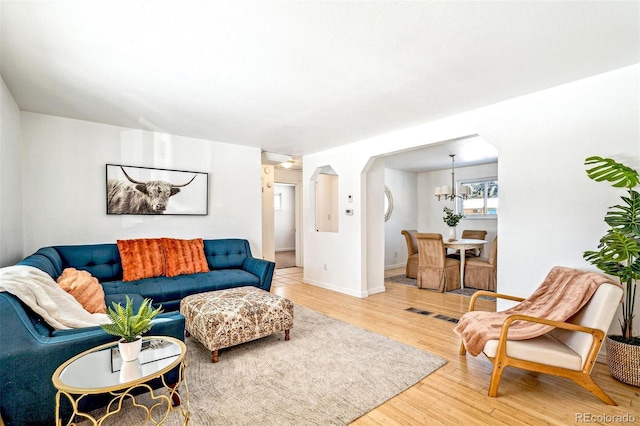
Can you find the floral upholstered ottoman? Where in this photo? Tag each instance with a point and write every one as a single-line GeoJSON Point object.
{"type": "Point", "coordinates": [224, 318]}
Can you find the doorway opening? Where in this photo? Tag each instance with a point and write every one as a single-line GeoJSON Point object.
{"type": "Point", "coordinates": [284, 206]}
{"type": "Point", "coordinates": [414, 175]}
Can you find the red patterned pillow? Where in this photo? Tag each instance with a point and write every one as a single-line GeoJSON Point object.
{"type": "Point", "coordinates": [184, 256]}
{"type": "Point", "coordinates": [142, 258]}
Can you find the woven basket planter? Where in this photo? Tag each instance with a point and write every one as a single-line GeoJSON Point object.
{"type": "Point", "coordinates": [624, 361]}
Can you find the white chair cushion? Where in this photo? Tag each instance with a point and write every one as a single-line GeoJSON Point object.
{"type": "Point", "coordinates": [543, 349]}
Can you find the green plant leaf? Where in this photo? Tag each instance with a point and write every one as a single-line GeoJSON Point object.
{"type": "Point", "coordinates": [618, 252]}
{"type": "Point", "coordinates": [607, 169]}
{"type": "Point", "coordinates": [626, 217]}
{"type": "Point", "coordinates": [451, 218]}
{"type": "Point", "coordinates": [127, 324]}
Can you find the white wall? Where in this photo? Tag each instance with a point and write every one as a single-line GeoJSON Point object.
{"type": "Point", "coordinates": [285, 218]}
{"type": "Point", "coordinates": [11, 225]}
{"type": "Point", "coordinates": [372, 219]}
{"type": "Point", "coordinates": [64, 177]}
{"type": "Point", "coordinates": [550, 212]}
{"type": "Point", "coordinates": [332, 259]}
{"type": "Point", "coordinates": [404, 190]}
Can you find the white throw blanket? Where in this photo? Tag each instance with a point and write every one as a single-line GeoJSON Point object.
{"type": "Point", "coordinates": [44, 296]}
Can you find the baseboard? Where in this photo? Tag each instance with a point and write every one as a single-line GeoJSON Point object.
{"type": "Point", "coordinates": [285, 249]}
{"type": "Point", "coordinates": [399, 265]}
{"type": "Point", "coordinates": [376, 290]}
{"type": "Point", "coordinates": [342, 290]}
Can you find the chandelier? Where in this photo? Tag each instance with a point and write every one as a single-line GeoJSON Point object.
{"type": "Point", "coordinates": [449, 192]}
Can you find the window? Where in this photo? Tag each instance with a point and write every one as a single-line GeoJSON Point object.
{"type": "Point", "coordinates": [483, 201]}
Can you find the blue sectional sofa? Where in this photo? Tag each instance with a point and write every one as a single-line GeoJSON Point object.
{"type": "Point", "coordinates": [30, 350]}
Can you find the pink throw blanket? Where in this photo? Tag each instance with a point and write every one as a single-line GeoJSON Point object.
{"type": "Point", "coordinates": [562, 294]}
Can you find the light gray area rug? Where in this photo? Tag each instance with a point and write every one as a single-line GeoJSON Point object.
{"type": "Point", "coordinates": [329, 373]}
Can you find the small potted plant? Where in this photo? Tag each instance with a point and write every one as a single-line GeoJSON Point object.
{"type": "Point", "coordinates": [130, 326]}
{"type": "Point", "coordinates": [452, 219]}
{"type": "Point", "coordinates": [618, 254]}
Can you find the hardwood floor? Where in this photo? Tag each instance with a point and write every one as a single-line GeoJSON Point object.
{"type": "Point", "coordinates": [457, 392]}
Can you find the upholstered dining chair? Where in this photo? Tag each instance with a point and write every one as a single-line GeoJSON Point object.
{"type": "Point", "coordinates": [412, 252]}
{"type": "Point", "coordinates": [473, 234]}
{"type": "Point", "coordinates": [571, 346]}
{"type": "Point", "coordinates": [435, 270]}
{"type": "Point", "coordinates": [482, 273]}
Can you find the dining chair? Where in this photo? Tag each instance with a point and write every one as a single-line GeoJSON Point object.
{"type": "Point", "coordinates": [473, 234]}
{"type": "Point", "coordinates": [482, 273]}
{"type": "Point", "coordinates": [412, 252]}
{"type": "Point", "coordinates": [565, 348]}
{"type": "Point", "coordinates": [435, 270]}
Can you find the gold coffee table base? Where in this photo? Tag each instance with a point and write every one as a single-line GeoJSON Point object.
{"type": "Point", "coordinates": [159, 405]}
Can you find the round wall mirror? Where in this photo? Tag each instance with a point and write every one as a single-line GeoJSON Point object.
{"type": "Point", "coordinates": [388, 203]}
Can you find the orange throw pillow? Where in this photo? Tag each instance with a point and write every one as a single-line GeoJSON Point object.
{"type": "Point", "coordinates": [141, 258]}
{"type": "Point", "coordinates": [85, 288]}
{"type": "Point", "coordinates": [184, 256]}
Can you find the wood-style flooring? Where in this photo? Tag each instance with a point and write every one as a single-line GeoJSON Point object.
{"type": "Point", "coordinates": [457, 393]}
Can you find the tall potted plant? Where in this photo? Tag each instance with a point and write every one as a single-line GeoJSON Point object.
{"type": "Point", "coordinates": [618, 254]}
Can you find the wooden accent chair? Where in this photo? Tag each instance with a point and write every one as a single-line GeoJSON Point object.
{"type": "Point", "coordinates": [482, 273]}
{"type": "Point", "coordinates": [473, 234]}
{"type": "Point", "coordinates": [568, 350]}
{"type": "Point", "coordinates": [412, 252]}
{"type": "Point", "coordinates": [435, 270]}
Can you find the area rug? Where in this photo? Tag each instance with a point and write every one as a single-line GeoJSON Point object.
{"type": "Point", "coordinates": [329, 373]}
{"type": "Point", "coordinates": [403, 279]}
{"type": "Point", "coordinates": [470, 292]}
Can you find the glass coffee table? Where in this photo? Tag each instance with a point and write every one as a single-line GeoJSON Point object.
{"type": "Point", "coordinates": [101, 371]}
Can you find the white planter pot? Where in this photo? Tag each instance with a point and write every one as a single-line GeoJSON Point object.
{"type": "Point", "coordinates": [130, 370]}
{"type": "Point", "coordinates": [129, 351]}
{"type": "Point", "coordinates": [452, 233]}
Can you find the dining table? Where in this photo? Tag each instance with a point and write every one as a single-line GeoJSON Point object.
{"type": "Point", "coordinates": [463, 244]}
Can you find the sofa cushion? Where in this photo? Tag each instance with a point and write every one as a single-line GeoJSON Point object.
{"type": "Point", "coordinates": [141, 258]}
{"type": "Point", "coordinates": [165, 289]}
{"type": "Point", "coordinates": [100, 260]}
{"type": "Point", "coordinates": [121, 299]}
{"type": "Point", "coordinates": [226, 253]}
{"type": "Point", "coordinates": [84, 288]}
{"type": "Point", "coordinates": [55, 259]}
{"type": "Point", "coordinates": [184, 256]}
{"type": "Point", "coordinates": [41, 262]}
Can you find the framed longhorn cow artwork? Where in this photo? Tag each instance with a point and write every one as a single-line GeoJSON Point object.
{"type": "Point", "coordinates": [149, 191]}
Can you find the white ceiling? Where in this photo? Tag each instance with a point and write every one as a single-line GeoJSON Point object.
{"type": "Point", "coordinates": [471, 151]}
{"type": "Point", "coordinates": [297, 77]}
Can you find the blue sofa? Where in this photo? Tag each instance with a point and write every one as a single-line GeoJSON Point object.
{"type": "Point", "coordinates": [30, 350]}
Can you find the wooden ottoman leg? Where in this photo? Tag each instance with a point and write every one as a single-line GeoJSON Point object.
{"type": "Point", "coordinates": [186, 333]}
{"type": "Point", "coordinates": [286, 335]}
{"type": "Point", "coordinates": [214, 356]}
{"type": "Point", "coordinates": [175, 396]}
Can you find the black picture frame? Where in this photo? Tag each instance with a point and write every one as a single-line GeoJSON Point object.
{"type": "Point", "coordinates": [135, 190]}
